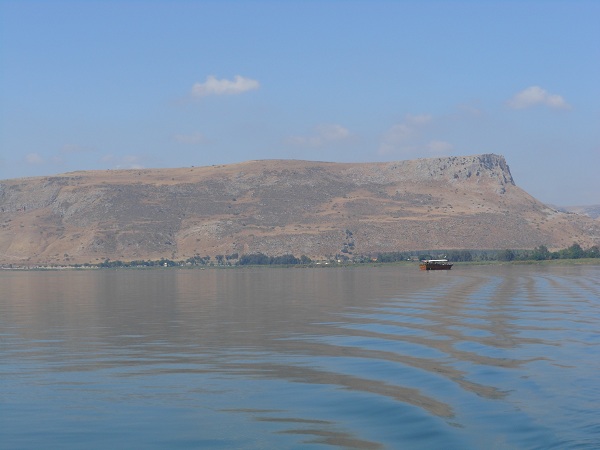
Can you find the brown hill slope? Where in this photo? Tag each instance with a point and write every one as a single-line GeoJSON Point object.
{"type": "Point", "coordinates": [277, 207]}
{"type": "Point", "coordinates": [592, 211]}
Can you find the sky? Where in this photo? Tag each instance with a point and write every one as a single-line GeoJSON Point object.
{"type": "Point", "coordinates": [116, 84]}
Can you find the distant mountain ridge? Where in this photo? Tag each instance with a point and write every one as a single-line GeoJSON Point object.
{"type": "Point", "coordinates": [592, 211]}
{"type": "Point", "coordinates": [277, 207]}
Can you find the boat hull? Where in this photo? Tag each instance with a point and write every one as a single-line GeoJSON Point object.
{"type": "Point", "coordinates": [435, 266]}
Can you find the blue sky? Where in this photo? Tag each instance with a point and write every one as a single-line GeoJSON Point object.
{"type": "Point", "coordinates": [126, 84]}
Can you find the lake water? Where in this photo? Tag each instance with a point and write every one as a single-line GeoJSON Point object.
{"type": "Point", "coordinates": [490, 357]}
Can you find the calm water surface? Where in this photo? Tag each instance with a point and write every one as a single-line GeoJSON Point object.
{"type": "Point", "coordinates": [390, 357]}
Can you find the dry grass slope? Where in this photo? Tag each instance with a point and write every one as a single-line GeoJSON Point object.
{"type": "Point", "coordinates": [278, 207]}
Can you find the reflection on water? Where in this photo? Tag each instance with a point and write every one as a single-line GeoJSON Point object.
{"type": "Point", "coordinates": [388, 357]}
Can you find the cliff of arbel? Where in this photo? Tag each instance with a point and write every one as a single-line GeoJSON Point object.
{"type": "Point", "coordinates": [278, 207]}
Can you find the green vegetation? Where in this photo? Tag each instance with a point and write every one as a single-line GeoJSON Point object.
{"type": "Point", "coordinates": [541, 253]}
{"type": "Point", "coordinates": [234, 259]}
{"type": "Point", "coordinates": [261, 259]}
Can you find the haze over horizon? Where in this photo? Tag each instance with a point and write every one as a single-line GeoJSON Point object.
{"type": "Point", "coordinates": [132, 84]}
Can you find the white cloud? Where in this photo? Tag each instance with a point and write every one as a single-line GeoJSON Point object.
{"type": "Point", "coordinates": [123, 162]}
{"type": "Point", "coordinates": [469, 110]}
{"type": "Point", "coordinates": [394, 137]}
{"type": "Point", "coordinates": [535, 95]}
{"type": "Point", "coordinates": [401, 135]}
{"type": "Point", "coordinates": [333, 132]}
{"type": "Point", "coordinates": [411, 138]}
{"type": "Point", "coordinates": [324, 134]}
{"type": "Point", "coordinates": [195, 138]}
{"type": "Point", "coordinates": [419, 119]}
{"type": "Point", "coordinates": [34, 158]}
{"type": "Point", "coordinates": [213, 86]}
{"type": "Point", "coordinates": [440, 147]}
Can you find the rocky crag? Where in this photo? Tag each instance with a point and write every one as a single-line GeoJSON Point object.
{"type": "Point", "coordinates": [277, 207]}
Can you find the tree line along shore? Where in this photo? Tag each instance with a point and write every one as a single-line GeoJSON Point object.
{"type": "Point", "coordinates": [538, 254]}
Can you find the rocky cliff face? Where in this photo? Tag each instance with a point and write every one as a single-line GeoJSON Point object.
{"type": "Point", "coordinates": [277, 207]}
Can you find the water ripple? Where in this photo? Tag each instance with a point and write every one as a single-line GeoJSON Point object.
{"type": "Point", "coordinates": [480, 357]}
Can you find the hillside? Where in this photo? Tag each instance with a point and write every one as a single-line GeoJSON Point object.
{"type": "Point", "coordinates": [277, 207]}
{"type": "Point", "coordinates": [592, 211]}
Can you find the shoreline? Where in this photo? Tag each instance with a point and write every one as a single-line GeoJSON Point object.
{"type": "Point", "coordinates": [551, 262]}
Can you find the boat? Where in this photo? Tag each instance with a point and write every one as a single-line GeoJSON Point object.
{"type": "Point", "coordinates": [435, 264]}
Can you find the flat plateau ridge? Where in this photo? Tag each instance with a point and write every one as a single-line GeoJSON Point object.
{"type": "Point", "coordinates": [277, 207]}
